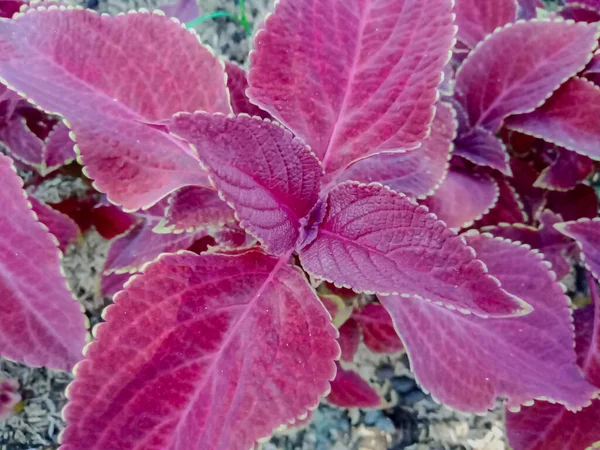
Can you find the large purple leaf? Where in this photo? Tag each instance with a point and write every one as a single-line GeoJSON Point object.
{"type": "Point", "coordinates": [40, 322]}
{"type": "Point", "coordinates": [139, 245]}
{"type": "Point", "coordinates": [476, 19]}
{"type": "Point", "coordinates": [463, 198]}
{"type": "Point", "coordinates": [416, 173]}
{"type": "Point", "coordinates": [587, 234]}
{"type": "Point", "coordinates": [373, 239]}
{"type": "Point", "coordinates": [237, 84]}
{"type": "Point", "coordinates": [269, 177]}
{"type": "Point", "coordinates": [570, 118]}
{"type": "Point", "coordinates": [551, 243]}
{"type": "Point", "coordinates": [521, 358]}
{"type": "Point", "coordinates": [203, 352]}
{"type": "Point", "coordinates": [349, 390]}
{"type": "Point", "coordinates": [61, 226]}
{"type": "Point", "coordinates": [483, 148]}
{"type": "Point", "coordinates": [352, 78]}
{"type": "Point", "coordinates": [195, 208]}
{"type": "Point", "coordinates": [574, 204]}
{"type": "Point", "coordinates": [155, 69]}
{"type": "Point", "coordinates": [519, 67]}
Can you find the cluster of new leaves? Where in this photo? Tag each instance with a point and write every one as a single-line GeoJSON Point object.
{"type": "Point", "coordinates": [247, 201]}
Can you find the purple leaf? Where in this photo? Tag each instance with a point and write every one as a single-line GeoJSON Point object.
{"type": "Point", "coordinates": [566, 171]}
{"type": "Point", "coordinates": [22, 143]}
{"type": "Point", "coordinates": [587, 336]}
{"type": "Point", "coordinates": [220, 350]}
{"type": "Point", "coordinates": [476, 19]}
{"type": "Point", "coordinates": [58, 149]}
{"type": "Point", "coordinates": [463, 198]}
{"type": "Point", "coordinates": [41, 323]}
{"type": "Point", "coordinates": [483, 148]}
{"type": "Point", "coordinates": [587, 234]}
{"type": "Point", "coordinates": [378, 330]}
{"type": "Point", "coordinates": [577, 203]}
{"type": "Point", "coordinates": [140, 245]}
{"type": "Point", "coordinates": [519, 67]}
{"type": "Point", "coordinates": [373, 239]}
{"type": "Point", "coordinates": [580, 13]}
{"type": "Point", "coordinates": [551, 243]}
{"type": "Point", "coordinates": [182, 10]}
{"type": "Point", "coordinates": [349, 390]}
{"type": "Point", "coordinates": [8, 103]}
{"type": "Point", "coordinates": [508, 207]}
{"type": "Point", "coordinates": [155, 69]}
{"type": "Point", "coordinates": [269, 177]}
{"type": "Point", "coordinates": [590, 3]}
{"type": "Point", "coordinates": [531, 199]}
{"type": "Point", "coordinates": [570, 118]}
{"type": "Point", "coordinates": [527, 8]}
{"type": "Point", "coordinates": [194, 208]}
{"type": "Point", "coordinates": [416, 173]}
{"type": "Point", "coordinates": [61, 226]}
{"type": "Point", "coordinates": [112, 283]}
{"type": "Point", "coordinates": [521, 358]}
{"type": "Point", "coordinates": [349, 339]}
{"type": "Point", "coordinates": [237, 84]}
{"type": "Point", "coordinates": [352, 78]}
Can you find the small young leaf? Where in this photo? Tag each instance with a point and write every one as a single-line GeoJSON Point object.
{"type": "Point", "coordinates": [373, 239]}
{"type": "Point", "coordinates": [577, 203]}
{"type": "Point", "coordinates": [415, 173]}
{"type": "Point", "coordinates": [269, 177]}
{"type": "Point", "coordinates": [483, 148]}
{"type": "Point", "coordinates": [587, 234]}
{"type": "Point", "coordinates": [40, 322]}
{"type": "Point", "coordinates": [476, 19]}
{"type": "Point", "coordinates": [352, 78]}
{"type": "Point", "coordinates": [203, 351]}
{"type": "Point", "coordinates": [378, 330]}
{"type": "Point", "coordinates": [237, 84]}
{"type": "Point", "coordinates": [64, 229]}
{"type": "Point", "coordinates": [22, 143]}
{"type": "Point", "coordinates": [58, 148]}
{"type": "Point", "coordinates": [183, 10]}
{"type": "Point", "coordinates": [528, 8]}
{"type": "Point", "coordinates": [463, 198]}
{"type": "Point", "coordinates": [349, 390]}
{"type": "Point", "coordinates": [349, 339]}
{"type": "Point", "coordinates": [570, 118]}
{"type": "Point", "coordinates": [507, 209]}
{"type": "Point", "coordinates": [580, 12]}
{"type": "Point", "coordinates": [154, 69]}
{"type": "Point", "coordinates": [519, 67]}
{"type": "Point", "coordinates": [521, 358]}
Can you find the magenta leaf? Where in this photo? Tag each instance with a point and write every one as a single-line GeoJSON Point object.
{"type": "Point", "coordinates": [237, 84]}
{"type": "Point", "coordinates": [483, 148]}
{"type": "Point", "coordinates": [223, 349]}
{"type": "Point", "coordinates": [269, 177]}
{"type": "Point", "coordinates": [112, 283]}
{"type": "Point", "coordinates": [507, 209]}
{"type": "Point", "coordinates": [566, 171]}
{"type": "Point", "coordinates": [529, 197]}
{"type": "Point", "coordinates": [373, 239]}
{"type": "Point", "coordinates": [61, 226]}
{"type": "Point", "coordinates": [140, 245]}
{"type": "Point", "coordinates": [195, 208]}
{"type": "Point", "coordinates": [463, 198]}
{"type": "Point", "coordinates": [580, 13]}
{"type": "Point", "coordinates": [22, 143]}
{"type": "Point", "coordinates": [352, 78]}
{"type": "Point", "coordinates": [476, 19]}
{"type": "Point", "coordinates": [577, 203]}
{"type": "Point", "coordinates": [521, 358]}
{"type": "Point", "coordinates": [40, 322]}
{"type": "Point", "coordinates": [58, 149]}
{"type": "Point", "coordinates": [519, 67]}
{"type": "Point", "coordinates": [551, 243]}
{"type": "Point", "coordinates": [416, 173]}
{"type": "Point", "coordinates": [9, 101]}
{"type": "Point", "coordinates": [349, 339]}
{"type": "Point", "coordinates": [350, 390]}
{"type": "Point", "coordinates": [587, 234]}
{"type": "Point", "coordinates": [378, 330]}
{"type": "Point", "coordinates": [570, 118]}
{"type": "Point", "coordinates": [156, 68]}
{"type": "Point", "coordinates": [110, 221]}
{"type": "Point", "coordinates": [589, 3]}
{"type": "Point", "coordinates": [587, 336]}
{"type": "Point", "coordinates": [9, 397]}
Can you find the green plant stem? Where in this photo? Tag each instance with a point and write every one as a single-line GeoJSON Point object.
{"type": "Point", "coordinates": [244, 19]}
{"type": "Point", "coordinates": [210, 16]}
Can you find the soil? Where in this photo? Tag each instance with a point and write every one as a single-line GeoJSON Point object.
{"type": "Point", "coordinates": [410, 419]}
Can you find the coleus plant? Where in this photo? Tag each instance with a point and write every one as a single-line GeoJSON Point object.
{"type": "Point", "coordinates": [319, 165]}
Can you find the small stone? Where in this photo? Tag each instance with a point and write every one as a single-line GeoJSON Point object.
{"type": "Point", "coordinates": [403, 384]}
{"type": "Point", "coordinates": [372, 416]}
{"type": "Point", "coordinates": [414, 397]}
{"type": "Point", "coordinates": [386, 424]}
{"type": "Point", "coordinates": [385, 372]}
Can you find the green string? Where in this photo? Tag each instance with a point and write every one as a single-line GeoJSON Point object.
{"type": "Point", "coordinates": [242, 20]}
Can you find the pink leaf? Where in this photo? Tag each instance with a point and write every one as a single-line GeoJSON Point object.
{"type": "Point", "coordinates": [41, 324]}
{"type": "Point", "coordinates": [476, 19]}
{"type": "Point", "coordinates": [155, 69]}
{"type": "Point", "coordinates": [61, 226]}
{"type": "Point", "coordinates": [269, 177]}
{"type": "Point", "coordinates": [22, 143]}
{"type": "Point", "coordinates": [112, 283]}
{"type": "Point", "coordinates": [237, 85]}
{"type": "Point", "coordinates": [8, 8]}
{"type": "Point", "coordinates": [220, 350]}
{"type": "Point", "coordinates": [194, 208]}
{"type": "Point", "coordinates": [231, 235]}
{"type": "Point", "coordinates": [140, 245]}
{"type": "Point", "coordinates": [415, 173]}
{"type": "Point", "coordinates": [378, 330]}
{"type": "Point", "coordinates": [483, 148]}
{"type": "Point", "coordinates": [349, 339]}
{"type": "Point", "coordinates": [536, 58]}
{"type": "Point", "coordinates": [570, 118]}
{"type": "Point", "coordinates": [373, 239]}
{"type": "Point", "coordinates": [507, 209]}
{"type": "Point", "coordinates": [352, 78]}
{"type": "Point", "coordinates": [521, 358]}
{"type": "Point", "coordinates": [58, 149]}
{"type": "Point", "coordinates": [463, 198]}
{"type": "Point", "coordinates": [349, 390]}
{"type": "Point", "coordinates": [580, 13]}
{"type": "Point", "coordinates": [110, 221]}
{"type": "Point", "coordinates": [9, 396]}
{"type": "Point", "coordinates": [566, 171]}
{"type": "Point", "coordinates": [587, 234]}
{"type": "Point", "coordinates": [551, 243]}
{"type": "Point", "coordinates": [577, 203]}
